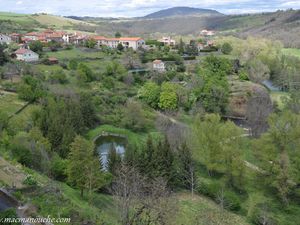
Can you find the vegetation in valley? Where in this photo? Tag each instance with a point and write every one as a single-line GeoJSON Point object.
{"type": "Point", "coordinates": [187, 159]}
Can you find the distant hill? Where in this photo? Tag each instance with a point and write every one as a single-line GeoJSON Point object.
{"type": "Point", "coordinates": [182, 11]}
{"type": "Point", "coordinates": [12, 22]}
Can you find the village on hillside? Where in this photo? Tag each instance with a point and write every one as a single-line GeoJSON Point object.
{"type": "Point", "coordinates": [53, 40]}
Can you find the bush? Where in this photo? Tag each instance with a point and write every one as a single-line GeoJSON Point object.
{"type": "Point", "coordinates": [30, 181]}
{"type": "Point", "coordinates": [9, 213]}
{"type": "Point", "coordinates": [232, 201]}
{"type": "Point", "coordinates": [209, 188]}
{"type": "Point", "coordinates": [226, 48]}
{"type": "Point", "coordinates": [58, 168]}
{"type": "Point", "coordinates": [243, 75]}
{"type": "Point", "coordinates": [22, 155]}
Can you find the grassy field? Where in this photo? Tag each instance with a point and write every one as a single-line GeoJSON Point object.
{"type": "Point", "coordinates": [76, 53]}
{"type": "Point", "coordinates": [10, 103]}
{"type": "Point", "coordinates": [199, 210]}
{"type": "Point", "coordinates": [54, 21]}
{"type": "Point", "coordinates": [133, 138]}
{"type": "Point", "coordinates": [291, 51]}
{"type": "Point", "coordinates": [23, 23]}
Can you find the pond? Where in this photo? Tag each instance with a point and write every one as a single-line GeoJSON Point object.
{"type": "Point", "coordinates": [269, 84]}
{"type": "Point", "coordinates": [105, 143]}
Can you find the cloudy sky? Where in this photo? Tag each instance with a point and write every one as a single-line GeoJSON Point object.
{"type": "Point", "coordinates": [134, 8]}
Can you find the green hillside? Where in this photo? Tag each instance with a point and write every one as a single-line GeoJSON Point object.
{"type": "Point", "coordinates": [12, 22]}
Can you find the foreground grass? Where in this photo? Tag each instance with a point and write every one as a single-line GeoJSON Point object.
{"type": "Point", "coordinates": [291, 51]}
{"type": "Point", "coordinates": [10, 103]}
{"type": "Point", "coordinates": [199, 210]}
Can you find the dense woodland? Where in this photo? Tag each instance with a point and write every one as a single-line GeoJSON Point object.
{"type": "Point", "coordinates": [179, 137]}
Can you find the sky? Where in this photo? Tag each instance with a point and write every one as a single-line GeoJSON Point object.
{"type": "Point", "coordinates": [136, 8]}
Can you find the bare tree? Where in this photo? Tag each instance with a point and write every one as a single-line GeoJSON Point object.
{"type": "Point", "coordinates": [175, 131]}
{"type": "Point", "coordinates": [258, 110]}
{"type": "Point", "coordinates": [141, 201]}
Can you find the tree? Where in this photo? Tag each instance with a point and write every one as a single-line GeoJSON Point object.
{"type": "Point", "coordinates": [73, 64]}
{"type": "Point", "coordinates": [32, 150]}
{"type": "Point", "coordinates": [181, 47]}
{"type": "Point", "coordinates": [30, 89]}
{"type": "Point", "coordinates": [120, 47]}
{"type": "Point", "coordinates": [83, 170]}
{"type": "Point", "coordinates": [214, 93]}
{"type": "Point", "coordinates": [3, 56]}
{"type": "Point", "coordinates": [168, 99]}
{"type": "Point", "coordinates": [150, 93]}
{"type": "Point", "coordinates": [91, 43]}
{"type": "Point", "coordinates": [115, 69]}
{"type": "Point", "coordinates": [192, 48]}
{"type": "Point", "coordinates": [142, 201]}
{"type": "Point", "coordinates": [3, 121]}
{"type": "Point", "coordinates": [36, 46]}
{"type": "Point", "coordinates": [118, 35]}
{"type": "Point", "coordinates": [259, 108]}
{"type": "Point", "coordinates": [278, 153]}
{"type": "Point", "coordinates": [217, 146]}
{"type": "Point", "coordinates": [134, 116]}
{"type": "Point", "coordinates": [293, 102]}
{"type": "Point", "coordinates": [257, 71]}
{"type": "Point", "coordinates": [114, 160]}
{"type": "Point", "coordinates": [164, 162]}
{"type": "Point", "coordinates": [84, 73]}
{"type": "Point", "coordinates": [58, 76]}
{"type": "Point", "coordinates": [187, 167]}
{"type": "Point", "coordinates": [226, 48]}
{"type": "Point", "coordinates": [62, 118]}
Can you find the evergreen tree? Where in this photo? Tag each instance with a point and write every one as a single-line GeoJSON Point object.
{"type": "Point", "coordinates": [186, 167]}
{"type": "Point", "coordinates": [163, 161]}
{"type": "Point", "coordinates": [3, 56]}
{"type": "Point", "coordinates": [181, 47]}
{"type": "Point", "coordinates": [113, 160]}
{"type": "Point", "coordinates": [84, 168]}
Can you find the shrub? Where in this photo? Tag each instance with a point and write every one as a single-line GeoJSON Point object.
{"type": "Point", "coordinates": [226, 48]}
{"type": "Point", "coordinates": [9, 213]}
{"type": "Point", "coordinates": [22, 155]}
{"type": "Point", "coordinates": [58, 168]}
{"type": "Point", "coordinates": [30, 181]}
{"type": "Point", "coordinates": [209, 188]}
{"type": "Point", "coordinates": [232, 201]}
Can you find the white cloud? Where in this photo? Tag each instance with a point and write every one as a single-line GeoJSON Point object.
{"type": "Point", "coordinates": [104, 8]}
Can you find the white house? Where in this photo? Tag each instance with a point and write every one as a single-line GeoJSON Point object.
{"type": "Point", "coordinates": [167, 41]}
{"type": "Point", "coordinates": [132, 42]}
{"type": "Point", "coordinates": [127, 42]}
{"type": "Point", "coordinates": [207, 33]}
{"type": "Point", "coordinates": [4, 39]}
{"type": "Point", "coordinates": [26, 55]}
{"type": "Point", "coordinates": [159, 65]}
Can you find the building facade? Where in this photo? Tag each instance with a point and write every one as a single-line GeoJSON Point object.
{"type": "Point", "coordinates": [26, 55]}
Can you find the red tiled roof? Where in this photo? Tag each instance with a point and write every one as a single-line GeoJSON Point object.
{"type": "Point", "coordinates": [130, 38]}
{"type": "Point", "coordinates": [157, 61]}
{"type": "Point", "coordinates": [112, 39]}
{"type": "Point", "coordinates": [22, 51]}
{"type": "Point", "coordinates": [52, 59]}
{"type": "Point", "coordinates": [32, 34]}
{"type": "Point", "coordinates": [98, 38]}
